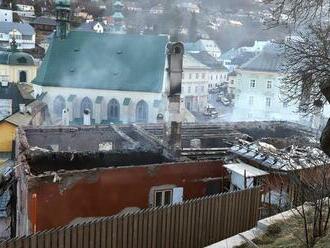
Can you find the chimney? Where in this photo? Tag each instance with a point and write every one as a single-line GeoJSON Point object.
{"type": "Point", "coordinates": [87, 117]}
{"type": "Point", "coordinates": [65, 117]}
{"type": "Point", "coordinates": [175, 51]}
{"type": "Point", "coordinates": [22, 108]}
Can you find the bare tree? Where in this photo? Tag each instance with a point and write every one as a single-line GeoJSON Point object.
{"type": "Point", "coordinates": [307, 63]}
{"type": "Point", "coordinates": [308, 174]}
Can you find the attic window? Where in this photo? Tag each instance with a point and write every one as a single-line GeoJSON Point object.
{"type": "Point", "coordinates": [115, 73]}
{"type": "Point", "coordinates": [76, 49]}
{"type": "Point", "coordinates": [22, 60]}
{"type": "Point", "coordinates": [119, 52]}
{"type": "Point", "coordinates": [72, 70]}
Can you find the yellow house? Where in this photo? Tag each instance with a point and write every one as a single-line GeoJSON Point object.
{"type": "Point", "coordinates": [7, 133]}
{"type": "Point", "coordinates": [33, 114]}
{"type": "Point", "coordinates": [16, 66]}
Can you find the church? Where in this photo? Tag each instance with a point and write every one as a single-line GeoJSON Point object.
{"type": "Point", "coordinates": [117, 77]}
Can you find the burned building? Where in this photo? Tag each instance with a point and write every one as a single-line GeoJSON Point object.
{"type": "Point", "coordinates": [101, 171]}
{"type": "Point", "coordinates": [93, 171]}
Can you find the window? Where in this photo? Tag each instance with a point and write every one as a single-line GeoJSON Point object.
{"type": "Point", "coordinates": [182, 89]}
{"type": "Point", "coordinates": [162, 198]}
{"type": "Point", "coordinates": [251, 100]}
{"type": "Point", "coordinates": [269, 84]}
{"type": "Point", "coordinates": [142, 111]}
{"type": "Point", "coordinates": [232, 81]}
{"type": "Point", "coordinates": [203, 75]}
{"type": "Point", "coordinates": [211, 77]}
{"type": "Point", "coordinates": [197, 76]}
{"type": "Point", "coordinates": [285, 104]}
{"type": "Point", "coordinates": [182, 75]}
{"type": "Point", "coordinates": [22, 77]}
{"type": "Point", "coordinates": [189, 89]}
{"type": "Point", "coordinates": [190, 76]}
{"type": "Point", "coordinates": [113, 111]}
{"type": "Point", "coordinates": [252, 83]}
{"type": "Point", "coordinates": [86, 103]}
{"type": "Point", "coordinates": [196, 89]}
{"type": "Point", "coordinates": [59, 105]}
{"type": "Point", "coordinates": [268, 101]}
{"type": "Point", "coordinates": [202, 89]}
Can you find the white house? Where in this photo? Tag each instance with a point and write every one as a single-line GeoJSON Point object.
{"type": "Point", "coordinates": [25, 10]}
{"type": "Point", "coordinates": [217, 72]}
{"type": "Point", "coordinates": [6, 15]}
{"type": "Point", "coordinates": [23, 33]}
{"type": "Point", "coordinates": [204, 45]}
{"type": "Point", "coordinates": [257, 90]}
{"type": "Point", "coordinates": [194, 84]}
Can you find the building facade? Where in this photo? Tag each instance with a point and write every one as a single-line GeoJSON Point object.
{"type": "Point", "coordinates": [194, 84]}
{"type": "Point", "coordinates": [23, 33]}
{"type": "Point", "coordinates": [113, 78]}
{"type": "Point", "coordinates": [258, 93]}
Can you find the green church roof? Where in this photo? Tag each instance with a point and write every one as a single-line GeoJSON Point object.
{"type": "Point", "coordinates": [105, 61]}
{"type": "Point", "coordinates": [15, 58]}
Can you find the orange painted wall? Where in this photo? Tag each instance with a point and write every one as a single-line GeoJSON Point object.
{"type": "Point", "coordinates": [106, 192]}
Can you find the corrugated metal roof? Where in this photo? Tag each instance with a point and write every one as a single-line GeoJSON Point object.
{"type": "Point", "coordinates": [245, 170]}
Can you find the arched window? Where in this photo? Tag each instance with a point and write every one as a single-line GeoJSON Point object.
{"type": "Point", "coordinates": [22, 77]}
{"type": "Point", "coordinates": [86, 103]}
{"type": "Point", "coordinates": [113, 110]}
{"type": "Point", "coordinates": [59, 105]}
{"type": "Point", "coordinates": [141, 111]}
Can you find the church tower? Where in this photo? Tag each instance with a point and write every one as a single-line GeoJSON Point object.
{"type": "Point", "coordinates": [118, 18]}
{"type": "Point", "coordinates": [63, 12]}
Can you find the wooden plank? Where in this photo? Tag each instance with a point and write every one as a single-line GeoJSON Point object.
{"type": "Point", "coordinates": [119, 240]}
{"type": "Point", "coordinates": [145, 228]}
{"type": "Point", "coordinates": [189, 224]}
{"type": "Point", "coordinates": [212, 220]}
{"type": "Point", "coordinates": [172, 227]}
{"type": "Point", "coordinates": [60, 238]}
{"type": "Point", "coordinates": [67, 237]}
{"type": "Point", "coordinates": [103, 233]}
{"type": "Point", "coordinates": [193, 224]}
{"type": "Point", "coordinates": [168, 219]}
{"type": "Point", "coordinates": [125, 231]}
{"type": "Point", "coordinates": [176, 225]}
{"type": "Point", "coordinates": [130, 231]}
{"type": "Point", "coordinates": [154, 227]}
{"type": "Point", "coordinates": [18, 243]}
{"type": "Point", "coordinates": [33, 241]}
{"type": "Point", "coordinates": [181, 223]}
{"type": "Point", "coordinates": [164, 217]}
{"type": "Point", "coordinates": [109, 222]}
{"type": "Point", "coordinates": [159, 227]}
{"type": "Point", "coordinates": [80, 237]}
{"type": "Point", "coordinates": [98, 234]}
{"type": "Point", "coordinates": [48, 240]}
{"type": "Point", "coordinates": [26, 242]}
{"type": "Point", "coordinates": [91, 234]}
{"type": "Point", "coordinates": [74, 236]}
{"type": "Point", "coordinates": [198, 223]}
{"type": "Point", "coordinates": [150, 227]}
{"type": "Point", "coordinates": [114, 232]}
{"type": "Point", "coordinates": [40, 240]}
{"type": "Point", "coordinates": [219, 221]}
{"type": "Point", "coordinates": [140, 230]}
{"type": "Point", "coordinates": [135, 230]}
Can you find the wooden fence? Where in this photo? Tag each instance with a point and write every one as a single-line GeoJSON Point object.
{"type": "Point", "coordinates": [194, 223]}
